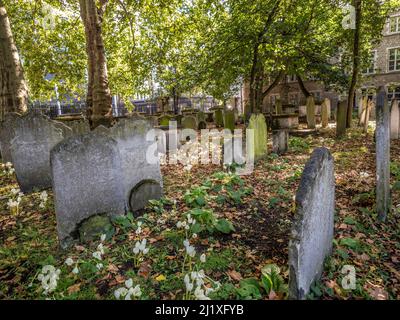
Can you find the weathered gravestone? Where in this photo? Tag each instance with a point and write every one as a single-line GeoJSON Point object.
{"type": "Point", "coordinates": [34, 136]}
{"type": "Point", "coordinates": [325, 112]}
{"type": "Point", "coordinates": [382, 155]}
{"type": "Point", "coordinates": [341, 118]}
{"type": "Point", "coordinates": [7, 134]}
{"type": "Point", "coordinates": [87, 181]}
{"type": "Point", "coordinates": [218, 117]}
{"type": "Point", "coordinates": [310, 112]}
{"type": "Point", "coordinates": [229, 120]}
{"type": "Point", "coordinates": [258, 124]}
{"type": "Point", "coordinates": [141, 176]}
{"type": "Point", "coordinates": [312, 232]}
{"type": "Point", "coordinates": [395, 120]}
{"type": "Point", "coordinates": [280, 139]}
{"type": "Point", "coordinates": [189, 122]}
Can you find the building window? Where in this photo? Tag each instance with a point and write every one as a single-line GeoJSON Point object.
{"type": "Point", "coordinates": [273, 98]}
{"type": "Point", "coordinates": [291, 78]}
{"type": "Point", "coordinates": [371, 63]}
{"type": "Point", "coordinates": [394, 59]}
{"type": "Point", "coordinates": [394, 93]}
{"type": "Point", "coordinates": [294, 98]}
{"type": "Point", "coordinates": [394, 24]}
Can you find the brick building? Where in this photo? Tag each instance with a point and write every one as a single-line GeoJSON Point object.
{"type": "Point", "coordinates": [384, 70]}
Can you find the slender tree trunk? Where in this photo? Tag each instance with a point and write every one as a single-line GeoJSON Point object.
{"type": "Point", "coordinates": [356, 63]}
{"type": "Point", "coordinates": [253, 75]}
{"type": "Point", "coordinates": [273, 84]}
{"type": "Point", "coordinates": [302, 86]}
{"type": "Point", "coordinates": [13, 87]}
{"type": "Point", "coordinates": [98, 94]}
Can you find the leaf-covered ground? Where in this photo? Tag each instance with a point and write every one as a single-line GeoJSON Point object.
{"type": "Point", "coordinates": [260, 208]}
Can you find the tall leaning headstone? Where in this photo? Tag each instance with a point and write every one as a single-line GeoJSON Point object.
{"type": "Point", "coordinates": [382, 155]}
{"type": "Point", "coordinates": [341, 118]}
{"type": "Point", "coordinates": [394, 120]}
{"type": "Point", "coordinates": [325, 112]}
{"type": "Point", "coordinates": [312, 232]}
{"type": "Point", "coordinates": [310, 109]}
{"type": "Point", "coordinates": [87, 181]}
{"type": "Point", "coordinates": [34, 136]}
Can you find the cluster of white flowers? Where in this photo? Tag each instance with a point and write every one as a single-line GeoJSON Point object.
{"type": "Point", "coordinates": [140, 247]}
{"type": "Point", "coordinates": [69, 262]}
{"type": "Point", "coordinates": [99, 253]}
{"type": "Point", "coordinates": [43, 199]}
{"type": "Point", "coordinates": [139, 227]}
{"type": "Point", "coordinates": [49, 277]}
{"type": "Point", "coordinates": [195, 283]}
{"type": "Point", "coordinates": [190, 250]}
{"type": "Point", "coordinates": [185, 224]}
{"type": "Point", "coordinates": [15, 200]}
{"type": "Point", "coordinates": [8, 168]}
{"type": "Point", "coordinates": [128, 291]}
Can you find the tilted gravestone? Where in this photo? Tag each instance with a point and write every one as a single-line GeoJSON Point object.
{"type": "Point", "coordinates": [258, 124]}
{"type": "Point", "coordinates": [141, 176]}
{"type": "Point", "coordinates": [312, 232]}
{"type": "Point", "coordinates": [87, 181]}
{"type": "Point", "coordinates": [7, 134]}
{"type": "Point", "coordinates": [310, 109]}
{"type": "Point", "coordinates": [34, 136]}
{"type": "Point", "coordinates": [382, 143]}
{"type": "Point", "coordinates": [280, 139]}
{"type": "Point", "coordinates": [395, 120]}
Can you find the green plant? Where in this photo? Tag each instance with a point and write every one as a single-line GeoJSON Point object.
{"type": "Point", "coordinates": [206, 220]}
{"type": "Point", "coordinates": [298, 144]}
{"type": "Point", "coordinates": [196, 197]}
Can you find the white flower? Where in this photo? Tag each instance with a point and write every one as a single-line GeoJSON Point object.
{"type": "Point", "coordinates": [364, 175]}
{"type": "Point", "coordinates": [69, 262]}
{"type": "Point", "coordinates": [186, 243]}
{"type": "Point", "coordinates": [103, 237]}
{"type": "Point", "coordinates": [136, 291]}
{"type": "Point", "coordinates": [49, 277]}
{"type": "Point", "coordinates": [43, 196]}
{"type": "Point", "coordinates": [194, 235]}
{"type": "Point", "coordinates": [75, 270]}
{"type": "Point", "coordinates": [100, 248]}
{"type": "Point", "coordinates": [179, 225]}
{"type": "Point", "coordinates": [12, 204]}
{"type": "Point", "coordinates": [129, 283]}
{"type": "Point", "coordinates": [11, 171]}
{"type": "Point", "coordinates": [97, 255]}
{"type": "Point", "coordinates": [143, 245]}
{"type": "Point", "coordinates": [42, 205]}
{"type": "Point", "coordinates": [120, 292]}
{"type": "Point", "coordinates": [8, 164]}
{"type": "Point", "coordinates": [191, 251]}
{"type": "Point", "coordinates": [99, 266]}
{"type": "Point", "coordinates": [187, 227]}
{"type": "Point", "coordinates": [203, 258]}
{"type": "Point", "coordinates": [14, 191]}
{"type": "Point", "coordinates": [200, 295]}
{"type": "Point", "coordinates": [188, 284]}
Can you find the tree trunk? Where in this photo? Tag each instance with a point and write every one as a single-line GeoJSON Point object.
{"type": "Point", "coordinates": [302, 86]}
{"type": "Point", "coordinates": [99, 101]}
{"type": "Point", "coordinates": [356, 63]}
{"type": "Point", "coordinates": [13, 87]}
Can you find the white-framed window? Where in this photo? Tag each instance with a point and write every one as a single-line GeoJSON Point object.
{"type": "Point", "coordinates": [273, 98]}
{"type": "Point", "coordinates": [394, 24]}
{"type": "Point", "coordinates": [394, 93]}
{"type": "Point", "coordinates": [372, 63]}
{"type": "Point", "coordinates": [394, 59]}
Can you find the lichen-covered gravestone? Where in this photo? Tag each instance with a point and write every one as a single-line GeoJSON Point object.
{"type": "Point", "coordinates": [79, 126]}
{"type": "Point", "coordinates": [219, 117]}
{"type": "Point", "coordinates": [34, 136]}
{"type": "Point", "coordinates": [341, 118]}
{"type": "Point", "coordinates": [395, 120]}
{"type": "Point", "coordinates": [310, 112]}
{"type": "Point", "coordinates": [229, 120]}
{"type": "Point", "coordinates": [87, 181]}
{"type": "Point", "coordinates": [258, 124]}
{"type": "Point", "coordinates": [7, 134]}
{"type": "Point", "coordinates": [325, 106]}
{"type": "Point", "coordinates": [382, 155]}
{"type": "Point", "coordinates": [141, 176]}
{"type": "Point", "coordinates": [189, 122]}
{"type": "Point", "coordinates": [312, 232]}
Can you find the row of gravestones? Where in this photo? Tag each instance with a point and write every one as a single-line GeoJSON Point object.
{"type": "Point", "coordinates": [103, 172]}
